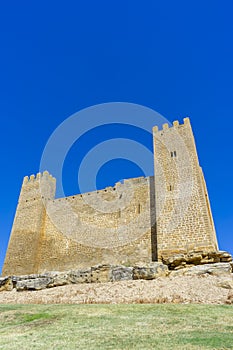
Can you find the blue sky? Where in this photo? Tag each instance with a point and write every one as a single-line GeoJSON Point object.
{"type": "Point", "coordinates": [58, 57]}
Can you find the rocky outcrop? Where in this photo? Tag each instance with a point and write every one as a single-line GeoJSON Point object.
{"type": "Point", "coordinates": [178, 261]}
{"type": "Point", "coordinates": [121, 273]}
{"type": "Point", "coordinates": [111, 273]}
{"type": "Point", "coordinates": [150, 271]}
{"type": "Point", "coordinates": [32, 284]}
{"type": "Point", "coordinates": [217, 269]}
{"type": "Point", "coordinates": [95, 274]}
{"type": "Point", "coordinates": [6, 284]}
{"type": "Point", "coordinates": [230, 298]}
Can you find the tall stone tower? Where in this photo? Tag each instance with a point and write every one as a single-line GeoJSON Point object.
{"type": "Point", "coordinates": [23, 247]}
{"type": "Point", "coordinates": [183, 216]}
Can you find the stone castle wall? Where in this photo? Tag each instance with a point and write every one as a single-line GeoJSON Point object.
{"type": "Point", "coordinates": [78, 234]}
{"type": "Point", "coordinates": [138, 221]}
{"type": "Point", "coordinates": [71, 232]}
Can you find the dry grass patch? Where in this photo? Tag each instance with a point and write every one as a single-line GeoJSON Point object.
{"type": "Point", "coordinates": [102, 326]}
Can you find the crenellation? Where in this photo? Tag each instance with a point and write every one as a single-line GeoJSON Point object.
{"type": "Point", "coordinates": [25, 180]}
{"type": "Point", "coordinates": [155, 129]}
{"type": "Point", "coordinates": [176, 123]}
{"type": "Point", "coordinates": [137, 220]}
{"type": "Point", "coordinates": [186, 121]}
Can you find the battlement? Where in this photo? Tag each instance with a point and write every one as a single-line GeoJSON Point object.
{"type": "Point", "coordinates": [38, 177]}
{"type": "Point", "coordinates": [175, 123]}
{"type": "Point", "coordinates": [40, 186]}
{"type": "Point", "coordinates": [137, 181]}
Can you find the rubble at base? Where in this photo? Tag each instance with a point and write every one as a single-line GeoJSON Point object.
{"type": "Point", "coordinates": [178, 261]}
{"type": "Point", "coordinates": [217, 264]}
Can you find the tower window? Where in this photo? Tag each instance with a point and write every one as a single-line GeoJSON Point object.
{"type": "Point", "coordinates": [173, 154]}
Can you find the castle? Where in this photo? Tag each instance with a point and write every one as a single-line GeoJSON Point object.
{"type": "Point", "coordinates": [138, 221]}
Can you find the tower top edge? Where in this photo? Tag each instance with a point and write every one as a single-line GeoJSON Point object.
{"type": "Point", "coordinates": [175, 124]}
{"type": "Point", "coordinates": [38, 177]}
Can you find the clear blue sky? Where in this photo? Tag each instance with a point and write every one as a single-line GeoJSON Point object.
{"type": "Point", "coordinates": [58, 57]}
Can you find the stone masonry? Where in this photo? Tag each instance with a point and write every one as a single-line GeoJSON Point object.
{"type": "Point", "coordinates": [138, 221]}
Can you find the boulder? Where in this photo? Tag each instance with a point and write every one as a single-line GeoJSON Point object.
{"type": "Point", "coordinates": [57, 278]}
{"type": "Point", "coordinates": [100, 273]}
{"type": "Point", "coordinates": [80, 276]}
{"type": "Point", "coordinates": [177, 261]}
{"type": "Point", "coordinates": [121, 273]}
{"type": "Point", "coordinates": [216, 269]}
{"type": "Point", "coordinates": [194, 258]}
{"type": "Point", "coordinates": [6, 284]}
{"type": "Point", "coordinates": [229, 299]}
{"type": "Point", "coordinates": [95, 274]}
{"type": "Point", "coordinates": [227, 284]}
{"type": "Point", "coordinates": [33, 284]}
{"type": "Point", "coordinates": [150, 271]}
{"type": "Point", "coordinates": [221, 256]}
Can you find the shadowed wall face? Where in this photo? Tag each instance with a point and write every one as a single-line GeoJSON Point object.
{"type": "Point", "coordinates": [28, 226]}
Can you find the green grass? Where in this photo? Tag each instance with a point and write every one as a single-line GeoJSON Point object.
{"type": "Point", "coordinates": [135, 326]}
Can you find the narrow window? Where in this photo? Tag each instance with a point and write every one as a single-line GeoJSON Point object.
{"type": "Point", "coordinates": [172, 154]}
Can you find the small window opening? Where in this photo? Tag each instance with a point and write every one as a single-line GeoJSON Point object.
{"type": "Point", "coordinates": [169, 187]}
{"type": "Point", "coordinates": [173, 154]}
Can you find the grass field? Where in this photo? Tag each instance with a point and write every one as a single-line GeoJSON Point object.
{"type": "Point", "coordinates": [134, 326]}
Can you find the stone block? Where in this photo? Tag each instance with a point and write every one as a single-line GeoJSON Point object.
{"type": "Point", "coordinates": [216, 269]}
{"type": "Point", "coordinates": [121, 273]}
{"type": "Point", "coordinates": [33, 284]}
{"type": "Point", "coordinates": [6, 284]}
{"type": "Point", "coordinates": [150, 271]}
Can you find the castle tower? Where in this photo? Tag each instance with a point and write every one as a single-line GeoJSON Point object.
{"type": "Point", "coordinates": [24, 245]}
{"type": "Point", "coordinates": [183, 215]}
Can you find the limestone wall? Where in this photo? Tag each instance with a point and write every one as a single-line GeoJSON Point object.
{"type": "Point", "coordinates": [77, 234]}
{"type": "Point", "coordinates": [109, 226]}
